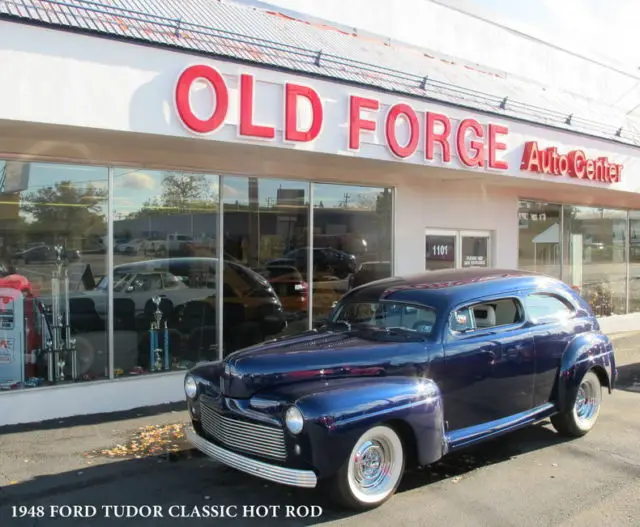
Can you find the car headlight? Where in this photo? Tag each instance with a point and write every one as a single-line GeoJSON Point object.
{"type": "Point", "coordinates": [190, 387]}
{"type": "Point", "coordinates": [294, 420]}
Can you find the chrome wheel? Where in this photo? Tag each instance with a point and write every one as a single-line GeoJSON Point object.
{"type": "Point", "coordinates": [375, 465]}
{"type": "Point", "coordinates": [371, 465]}
{"type": "Point", "coordinates": [587, 405]}
{"type": "Point", "coordinates": [579, 417]}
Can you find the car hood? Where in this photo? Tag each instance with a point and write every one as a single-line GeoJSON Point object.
{"type": "Point", "coordinates": [312, 356]}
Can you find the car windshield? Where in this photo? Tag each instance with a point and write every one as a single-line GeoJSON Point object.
{"type": "Point", "coordinates": [385, 316]}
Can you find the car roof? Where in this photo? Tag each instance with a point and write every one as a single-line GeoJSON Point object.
{"type": "Point", "coordinates": [448, 286]}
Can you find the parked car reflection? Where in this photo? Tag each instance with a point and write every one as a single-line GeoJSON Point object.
{"type": "Point", "coordinates": [326, 261]}
{"type": "Point", "coordinates": [291, 288]}
{"type": "Point", "coordinates": [41, 253]}
{"type": "Point", "coordinates": [186, 289]}
{"type": "Point", "coordinates": [140, 286]}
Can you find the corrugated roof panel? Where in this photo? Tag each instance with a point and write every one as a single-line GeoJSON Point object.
{"type": "Point", "coordinates": [259, 36]}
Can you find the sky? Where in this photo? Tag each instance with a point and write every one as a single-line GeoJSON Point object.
{"type": "Point", "coordinates": [605, 28]}
{"type": "Point", "coordinates": [133, 187]}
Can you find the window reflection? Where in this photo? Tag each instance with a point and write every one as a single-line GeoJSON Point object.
{"type": "Point", "coordinates": [634, 261]}
{"type": "Point", "coordinates": [539, 237]}
{"type": "Point", "coordinates": [53, 228]}
{"type": "Point", "coordinates": [352, 241]}
{"type": "Point", "coordinates": [55, 284]}
{"type": "Point", "coordinates": [265, 240]}
{"type": "Point", "coordinates": [595, 256]}
{"type": "Point", "coordinates": [165, 267]}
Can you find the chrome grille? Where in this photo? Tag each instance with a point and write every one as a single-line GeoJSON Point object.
{"type": "Point", "coordinates": [251, 438]}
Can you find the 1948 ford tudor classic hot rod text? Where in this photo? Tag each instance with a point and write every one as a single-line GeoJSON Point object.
{"type": "Point", "coordinates": [404, 371]}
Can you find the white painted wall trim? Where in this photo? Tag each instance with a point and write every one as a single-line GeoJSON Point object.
{"type": "Point", "coordinates": [95, 397]}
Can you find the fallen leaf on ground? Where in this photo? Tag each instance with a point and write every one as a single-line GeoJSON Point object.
{"type": "Point", "coordinates": [152, 440]}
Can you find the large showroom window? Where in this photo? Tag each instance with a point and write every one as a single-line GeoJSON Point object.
{"type": "Point", "coordinates": [351, 241]}
{"type": "Point", "coordinates": [595, 258]}
{"type": "Point", "coordinates": [634, 261]}
{"type": "Point", "coordinates": [190, 267]}
{"type": "Point", "coordinates": [53, 239]}
{"type": "Point", "coordinates": [539, 235]}
{"type": "Point", "coordinates": [164, 285]}
{"type": "Point", "coordinates": [587, 247]}
{"type": "Point", "coordinates": [266, 240]}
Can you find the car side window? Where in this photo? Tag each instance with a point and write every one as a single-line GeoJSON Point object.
{"type": "Point", "coordinates": [484, 315]}
{"type": "Point", "coordinates": [544, 307]}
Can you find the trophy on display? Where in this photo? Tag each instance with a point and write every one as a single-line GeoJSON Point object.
{"type": "Point", "coordinates": [60, 347]}
{"type": "Point", "coordinates": [158, 356]}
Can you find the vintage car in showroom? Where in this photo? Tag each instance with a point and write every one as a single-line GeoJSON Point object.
{"type": "Point", "coordinates": [404, 371]}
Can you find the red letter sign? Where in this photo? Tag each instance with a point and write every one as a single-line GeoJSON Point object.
{"type": "Point", "coordinates": [531, 157]}
{"type": "Point", "coordinates": [291, 132]}
{"type": "Point", "coordinates": [575, 164]}
{"type": "Point", "coordinates": [183, 99]}
{"type": "Point", "coordinates": [476, 160]}
{"type": "Point", "coordinates": [396, 111]}
{"type": "Point", "coordinates": [442, 138]}
{"type": "Point", "coordinates": [494, 145]}
{"type": "Point", "coordinates": [246, 112]}
{"type": "Point", "coordinates": [578, 164]}
{"type": "Point", "coordinates": [357, 123]}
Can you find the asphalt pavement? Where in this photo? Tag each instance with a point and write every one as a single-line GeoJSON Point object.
{"type": "Point", "coordinates": [532, 477]}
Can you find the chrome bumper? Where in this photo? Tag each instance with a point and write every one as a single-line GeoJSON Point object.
{"type": "Point", "coordinates": [286, 476]}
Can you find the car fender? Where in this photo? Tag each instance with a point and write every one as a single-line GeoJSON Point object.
{"type": "Point", "coordinates": [337, 416]}
{"type": "Point", "coordinates": [593, 350]}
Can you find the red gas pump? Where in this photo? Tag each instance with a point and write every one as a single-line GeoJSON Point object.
{"type": "Point", "coordinates": [32, 334]}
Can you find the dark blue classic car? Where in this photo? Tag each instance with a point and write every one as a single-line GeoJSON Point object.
{"type": "Point", "coordinates": [404, 371]}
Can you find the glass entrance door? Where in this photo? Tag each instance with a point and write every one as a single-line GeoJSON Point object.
{"type": "Point", "coordinates": [474, 248]}
{"type": "Point", "coordinates": [455, 249]}
{"type": "Point", "coordinates": [440, 249]}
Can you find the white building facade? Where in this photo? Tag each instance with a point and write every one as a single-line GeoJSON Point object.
{"type": "Point", "coordinates": [162, 206]}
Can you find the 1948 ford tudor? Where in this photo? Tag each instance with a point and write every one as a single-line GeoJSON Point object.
{"type": "Point", "coordinates": [404, 371]}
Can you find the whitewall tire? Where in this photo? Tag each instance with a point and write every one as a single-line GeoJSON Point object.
{"type": "Point", "coordinates": [578, 419]}
{"type": "Point", "coordinates": [372, 473]}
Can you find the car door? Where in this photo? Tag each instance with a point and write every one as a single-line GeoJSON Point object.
{"type": "Point", "coordinates": [553, 324]}
{"type": "Point", "coordinates": [488, 362]}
